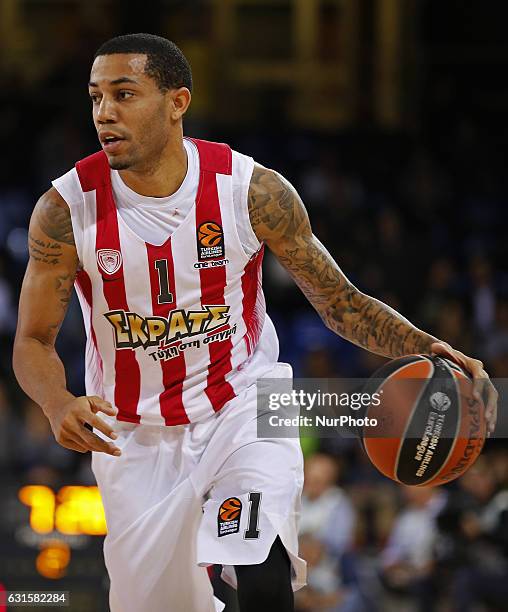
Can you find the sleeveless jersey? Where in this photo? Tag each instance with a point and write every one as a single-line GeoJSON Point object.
{"type": "Point", "coordinates": [174, 331]}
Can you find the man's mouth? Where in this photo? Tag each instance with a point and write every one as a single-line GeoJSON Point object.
{"type": "Point", "coordinates": [111, 143]}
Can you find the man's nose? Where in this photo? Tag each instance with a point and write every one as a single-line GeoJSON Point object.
{"type": "Point", "coordinates": [107, 111]}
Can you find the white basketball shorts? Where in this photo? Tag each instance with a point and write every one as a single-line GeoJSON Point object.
{"type": "Point", "coordinates": [181, 498]}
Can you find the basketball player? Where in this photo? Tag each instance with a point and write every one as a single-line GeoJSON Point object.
{"type": "Point", "coordinates": [163, 238]}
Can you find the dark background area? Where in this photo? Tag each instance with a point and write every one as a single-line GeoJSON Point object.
{"type": "Point", "coordinates": [389, 117]}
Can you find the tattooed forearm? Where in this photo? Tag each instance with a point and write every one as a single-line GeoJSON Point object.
{"type": "Point", "coordinates": [373, 325]}
{"type": "Point", "coordinates": [55, 221]}
{"type": "Point", "coordinates": [279, 218]}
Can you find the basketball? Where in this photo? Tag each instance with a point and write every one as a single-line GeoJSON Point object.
{"type": "Point", "coordinates": [429, 428]}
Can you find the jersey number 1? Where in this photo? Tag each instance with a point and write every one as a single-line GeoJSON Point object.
{"type": "Point", "coordinates": [165, 296]}
{"type": "Point", "coordinates": [252, 531]}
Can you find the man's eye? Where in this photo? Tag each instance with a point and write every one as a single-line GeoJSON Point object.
{"type": "Point", "coordinates": [94, 98]}
{"type": "Point", "coordinates": [123, 95]}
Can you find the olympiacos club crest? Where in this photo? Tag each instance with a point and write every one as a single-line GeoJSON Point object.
{"type": "Point", "coordinates": [109, 260]}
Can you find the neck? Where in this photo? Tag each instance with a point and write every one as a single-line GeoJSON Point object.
{"type": "Point", "coordinates": [163, 178]}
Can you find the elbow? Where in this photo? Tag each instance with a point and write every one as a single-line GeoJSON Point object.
{"type": "Point", "coordinates": [16, 357]}
{"type": "Point", "coordinates": [326, 320]}
{"type": "Point", "coordinates": [330, 320]}
{"type": "Point", "coordinates": [339, 313]}
{"type": "Point", "coordinates": [24, 347]}
{"type": "Point", "coordinates": [19, 353]}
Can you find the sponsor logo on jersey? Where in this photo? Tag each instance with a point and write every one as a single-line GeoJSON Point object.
{"type": "Point", "coordinates": [109, 260]}
{"type": "Point", "coordinates": [210, 241]}
{"type": "Point", "coordinates": [228, 518]}
{"type": "Point", "coordinates": [131, 330]}
{"type": "Point", "coordinates": [201, 265]}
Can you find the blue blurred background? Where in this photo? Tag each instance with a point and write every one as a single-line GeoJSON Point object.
{"type": "Point", "coordinates": [389, 116]}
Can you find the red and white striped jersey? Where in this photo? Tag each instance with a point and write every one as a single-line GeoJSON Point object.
{"type": "Point", "coordinates": [173, 331]}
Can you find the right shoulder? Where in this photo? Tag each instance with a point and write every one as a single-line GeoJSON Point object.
{"type": "Point", "coordinates": [52, 198]}
{"type": "Point", "coordinates": [52, 216]}
{"type": "Point", "coordinates": [69, 187]}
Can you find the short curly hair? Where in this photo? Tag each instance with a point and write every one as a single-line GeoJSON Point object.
{"type": "Point", "coordinates": [165, 63]}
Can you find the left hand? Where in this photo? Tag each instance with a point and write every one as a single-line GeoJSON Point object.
{"type": "Point", "coordinates": [481, 380]}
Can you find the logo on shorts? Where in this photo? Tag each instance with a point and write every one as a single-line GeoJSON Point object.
{"type": "Point", "coordinates": [440, 401]}
{"type": "Point", "coordinates": [109, 260]}
{"type": "Point", "coordinates": [210, 241]}
{"type": "Point", "coordinates": [228, 519]}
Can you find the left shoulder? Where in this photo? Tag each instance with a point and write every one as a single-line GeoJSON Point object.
{"type": "Point", "coordinates": [273, 203]}
{"type": "Point", "coordinates": [269, 184]}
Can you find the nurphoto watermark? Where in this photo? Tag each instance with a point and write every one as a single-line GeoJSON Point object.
{"type": "Point", "coordinates": [359, 408]}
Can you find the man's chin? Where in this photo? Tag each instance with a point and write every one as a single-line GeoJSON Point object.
{"type": "Point", "coordinates": [117, 163]}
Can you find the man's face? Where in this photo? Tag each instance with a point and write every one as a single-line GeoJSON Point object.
{"type": "Point", "coordinates": [130, 113]}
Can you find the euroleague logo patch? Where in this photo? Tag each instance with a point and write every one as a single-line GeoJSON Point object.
{"type": "Point", "coordinates": [210, 241]}
{"type": "Point", "coordinates": [109, 260]}
{"type": "Point", "coordinates": [440, 401]}
{"type": "Point", "coordinates": [228, 519]}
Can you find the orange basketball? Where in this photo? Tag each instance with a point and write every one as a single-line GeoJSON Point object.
{"type": "Point", "coordinates": [210, 234]}
{"type": "Point", "coordinates": [429, 428]}
{"type": "Point", "coordinates": [230, 509]}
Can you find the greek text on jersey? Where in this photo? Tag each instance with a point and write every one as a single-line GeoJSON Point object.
{"type": "Point", "coordinates": [132, 330]}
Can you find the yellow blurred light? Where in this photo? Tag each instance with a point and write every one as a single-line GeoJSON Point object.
{"type": "Point", "coordinates": [53, 559]}
{"type": "Point", "coordinates": [75, 510]}
{"type": "Point", "coordinates": [94, 521]}
{"type": "Point", "coordinates": [42, 503]}
{"type": "Point", "coordinates": [80, 511]}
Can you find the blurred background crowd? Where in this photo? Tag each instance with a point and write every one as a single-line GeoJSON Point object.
{"type": "Point", "coordinates": [389, 117]}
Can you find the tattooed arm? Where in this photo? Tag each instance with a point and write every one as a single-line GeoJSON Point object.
{"type": "Point", "coordinates": [278, 218]}
{"type": "Point", "coordinates": [45, 296]}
